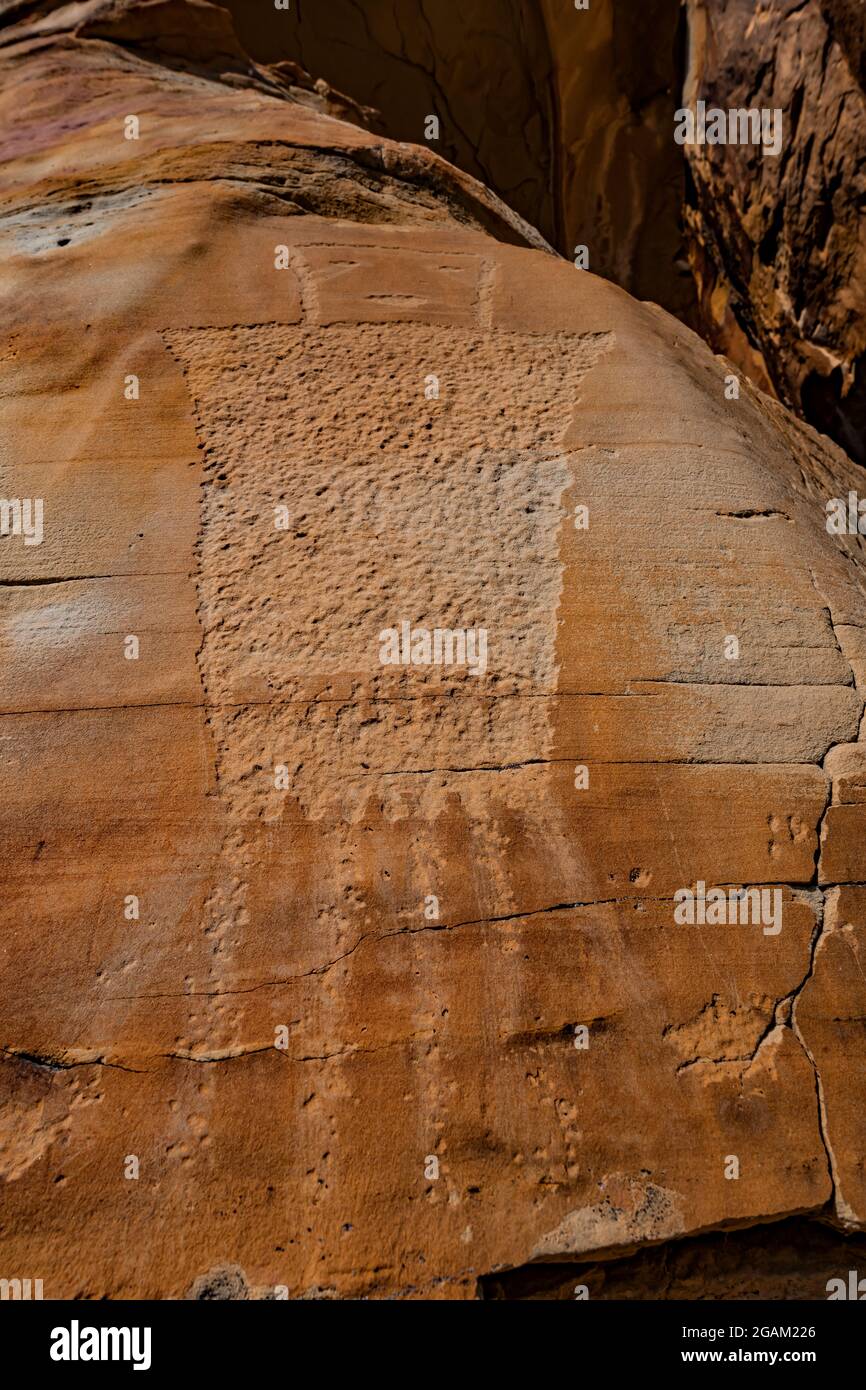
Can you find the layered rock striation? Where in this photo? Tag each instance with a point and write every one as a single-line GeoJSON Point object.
{"type": "Point", "coordinates": [330, 970]}
{"type": "Point", "coordinates": [569, 115]}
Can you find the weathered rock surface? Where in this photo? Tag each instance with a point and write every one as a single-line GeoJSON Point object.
{"type": "Point", "coordinates": [778, 245]}
{"type": "Point", "coordinates": [291, 1030]}
{"type": "Point", "coordinates": [569, 115]}
{"type": "Point", "coordinates": [792, 1259]}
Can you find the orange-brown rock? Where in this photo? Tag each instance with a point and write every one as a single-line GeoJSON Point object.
{"type": "Point", "coordinates": [793, 1259]}
{"type": "Point", "coordinates": [570, 114]}
{"type": "Point", "coordinates": [346, 978]}
{"type": "Point", "coordinates": [778, 244]}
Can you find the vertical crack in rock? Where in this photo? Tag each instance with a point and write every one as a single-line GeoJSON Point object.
{"type": "Point", "coordinates": [506, 902]}
{"type": "Point", "coordinates": [821, 930]}
{"type": "Point", "coordinates": [817, 937]}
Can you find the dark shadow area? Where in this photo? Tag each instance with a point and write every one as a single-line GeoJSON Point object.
{"type": "Point", "coordinates": [568, 118]}
{"type": "Point", "coordinates": [791, 1259]}
{"type": "Point", "coordinates": [483, 68]}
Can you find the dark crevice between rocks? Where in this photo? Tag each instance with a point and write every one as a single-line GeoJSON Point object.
{"type": "Point", "coordinates": [788, 1259]}
{"type": "Point", "coordinates": [504, 78]}
{"type": "Point", "coordinates": [486, 74]}
{"type": "Point", "coordinates": [842, 417]}
{"type": "Point", "coordinates": [489, 74]}
{"type": "Point", "coordinates": [567, 118]}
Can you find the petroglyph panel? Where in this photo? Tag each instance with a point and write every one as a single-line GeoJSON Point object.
{"type": "Point", "coordinates": [355, 480]}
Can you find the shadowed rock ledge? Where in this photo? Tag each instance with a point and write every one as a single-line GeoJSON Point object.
{"type": "Point", "coordinates": [569, 116]}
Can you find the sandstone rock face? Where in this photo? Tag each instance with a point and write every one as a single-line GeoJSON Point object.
{"type": "Point", "coordinates": [793, 1259]}
{"type": "Point", "coordinates": [778, 245]}
{"type": "Point", "coordinates": [569, 114]}
{"type": "Point", "coordinates": [349, 978]}
{"type": "Point", "coordinates": [485, 70]}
